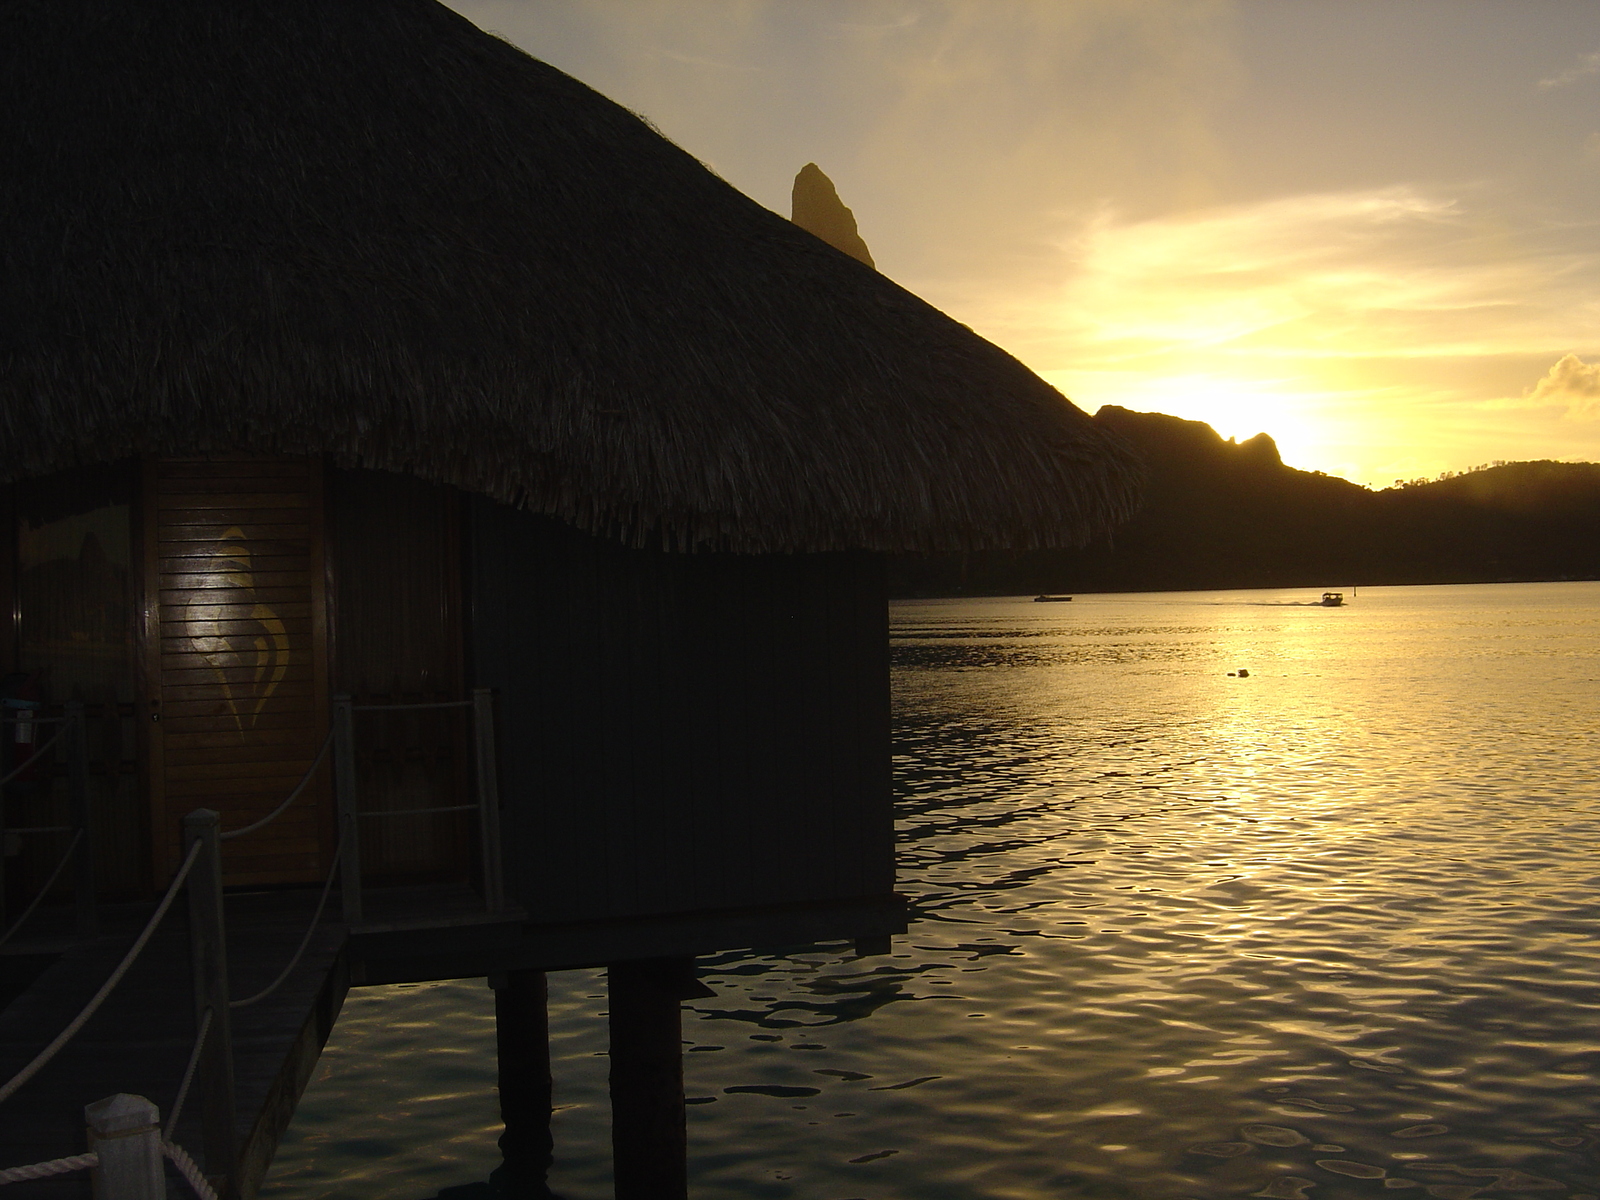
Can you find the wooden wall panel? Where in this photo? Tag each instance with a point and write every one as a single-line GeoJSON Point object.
{"type": "Point", "coordinates": [683, 733]}
{"type": "Point", "coordinates": [69, 581]}
{"type": "Point", "coordinates": [398, 640]}
{"type": "Point", "coordinates": [235, 657]}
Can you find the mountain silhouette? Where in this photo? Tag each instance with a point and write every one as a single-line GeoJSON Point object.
{"type": "Point", "coordinates": [1225, 514]}
{"type": "Point", "coordinates": [816, 208]}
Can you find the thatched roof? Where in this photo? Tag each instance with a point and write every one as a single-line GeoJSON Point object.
{"type": "Point", "coordinates": [368, 229]}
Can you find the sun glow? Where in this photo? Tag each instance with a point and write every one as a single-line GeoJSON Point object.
{"type": "Point", "coordinates": [1235, 407]}
{"type": "Point", "coordinates": [1347, 326]}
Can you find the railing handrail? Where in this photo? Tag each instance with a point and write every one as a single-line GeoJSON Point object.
{"type": "Point", "coordinates": [486, 803]}
{"type": "Point", "coordinates": [44, 1056]}
{"type": "Point", "coordinates": [55, 737]}
{"type": "Point", "coordinates": [176, 1110]}
{"type": "Point", "coordinates": [208, 953]}
{"type": "Point", "coordinates": [316, 918]}
{"type": "Point", "coordinates": [45, 890]}
{"type": "Point", "coordinates": [293, 796]}
{"type": "Point", "coordinates": [81, 849]}
{"type": "Point", "coordinates": [176, 1154]}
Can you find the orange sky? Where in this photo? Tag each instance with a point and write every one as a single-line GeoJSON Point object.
{"type": "Point", "coordinates": [1370, 230]}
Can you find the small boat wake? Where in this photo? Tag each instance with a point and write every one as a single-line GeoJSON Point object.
{"type": "Point", "coordinates": [1329, 600]}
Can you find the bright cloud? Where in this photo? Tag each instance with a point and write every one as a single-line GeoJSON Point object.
{"type": "Point", "coordinates": [1344, 324]}
{"type": "Point", "coordinates": [1589, 64]}
{"type": "Point", "coordinates": [1391, 272]}
{"type": "Point", "coordinates": [1571, 383]}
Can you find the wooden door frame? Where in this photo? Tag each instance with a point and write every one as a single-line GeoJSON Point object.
{"type": "Point", "coordinates": [164, 856]}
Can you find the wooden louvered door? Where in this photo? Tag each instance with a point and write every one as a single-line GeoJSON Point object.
{"type": "Point", "coordinates": [236, 659]}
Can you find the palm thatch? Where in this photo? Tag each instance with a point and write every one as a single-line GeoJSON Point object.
{"type": "Point", "coordinates": [366, 228]}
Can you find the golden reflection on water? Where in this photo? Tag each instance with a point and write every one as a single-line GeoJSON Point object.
{"type": "Point", "coordinates": [1327, 930]}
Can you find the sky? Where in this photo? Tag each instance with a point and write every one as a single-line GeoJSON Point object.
{"type": "Point", "coordinates": [1369, 228]}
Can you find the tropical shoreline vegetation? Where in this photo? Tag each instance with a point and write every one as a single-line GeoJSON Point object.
{"type": "Point", "coordinates": [1224, 514]}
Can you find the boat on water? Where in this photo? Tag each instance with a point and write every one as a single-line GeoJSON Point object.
{"type": "Point", "coordinates": [1050, 599]}
{"type": "Point", "coordinates": [1332, 599]}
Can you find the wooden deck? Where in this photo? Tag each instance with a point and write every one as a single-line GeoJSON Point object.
{"type": "Point", "coordinates": [140, 1040]}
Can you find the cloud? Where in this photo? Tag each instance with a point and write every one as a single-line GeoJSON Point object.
{"type": "Point", "coordinates": [1571, 383]}
{"type": "Point", "coordinates": [1351, 325]}
{"type": "Point", "coordinates": [1398, 272]}
{"type": "Point", "coordinates": [1589, 64]}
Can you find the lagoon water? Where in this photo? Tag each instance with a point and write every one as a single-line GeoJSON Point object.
{"type": "Point", "coordinates": [1329, 930]}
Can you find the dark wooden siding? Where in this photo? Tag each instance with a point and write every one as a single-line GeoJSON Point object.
{"type": "Point", "coordinates": [398, 639]}
{"type": "Point", "coordinates": [682, 732]}
{"type": "Point", "coordinates": [235, 653]}
{"type": "Point", "coordinates": [67, 583]}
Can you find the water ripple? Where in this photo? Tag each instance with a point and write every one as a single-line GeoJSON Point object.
{"type": "Point", "coordinates": [1323, 931]}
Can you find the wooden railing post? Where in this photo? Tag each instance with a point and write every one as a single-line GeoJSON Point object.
{"type": "Point", "coordinates": [494, 888]}
{"type": "Point", "coordinates": [76, 737]}
{"type": "Point", "coordinates": [208, 953]}
{"type": "Point", "coordinates": [125, 1134]}
{"type": "Point", "coordinates": [344, 787]}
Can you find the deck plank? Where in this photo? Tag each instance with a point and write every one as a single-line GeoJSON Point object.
{"type": "Point", "coordinates": [140, 1040]}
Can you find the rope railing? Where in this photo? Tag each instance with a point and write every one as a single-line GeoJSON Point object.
{"type": "Point", "coordinates": [48, 884]}
{"type": "Point", "coordinates": [170, 1150]}
{"type": "Point", "coordinates": [293, 796]}
{"type": "Point", "coordinates": [78, 1022]}
{"type": "Point", "coordinates": [316, 917]}
{"type": "Point", "coordinates": [188, 1074]}
{"type": "Point", "coordinates": [38, 750]}
{"type": "Point", "coordinates": [179, 1157]}
{"type": "Point", "coordinates": [210, 1057]}
{"type": "Point", "coordinates": [72, 726]}
{"type": "Point", "coordinates": [54, 1166]}
{"type": "Point", "coordinates": [480, 706]}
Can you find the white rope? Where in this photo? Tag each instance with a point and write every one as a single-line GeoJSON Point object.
{"type": "Point", "coordinates": [304, 942]}
{"type": "Point", "coordinates": [188, 1169]}
{"type": "Point", "coordinates": [293, 796]}
{"type": "Point", "coordinates": [48, 884]}
{"type": "Point", "coordinates": [54, 737]}
{"type": "Point", "coordinates": [188, 1074]}
{"type": "Point", "coordinates": [78, 1022]}
{"type": "Point", "coordinates": [43, 1170]}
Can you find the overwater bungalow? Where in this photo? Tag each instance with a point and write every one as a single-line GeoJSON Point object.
{"type": "Point", "coordinates": [385, 412]}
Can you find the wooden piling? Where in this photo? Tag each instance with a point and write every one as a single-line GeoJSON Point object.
{"type": "Point", "coordinates": [649, 1143]}
{"type": "Point", "coordinates": [522, 1040]}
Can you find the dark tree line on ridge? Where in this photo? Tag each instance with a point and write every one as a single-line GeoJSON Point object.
{"type": "Point", "coordinates": [1220, 514]}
